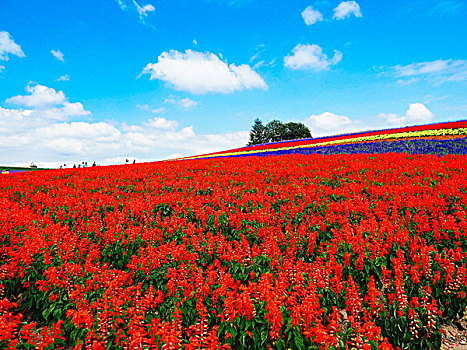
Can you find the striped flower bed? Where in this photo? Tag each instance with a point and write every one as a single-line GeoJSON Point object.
{"type": "Point", "coordinates": [441, 138]}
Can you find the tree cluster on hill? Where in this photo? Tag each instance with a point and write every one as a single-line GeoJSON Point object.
{"type": "Point", "coordinates": [275, 131]}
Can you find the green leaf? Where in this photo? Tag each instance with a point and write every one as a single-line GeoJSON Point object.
{"type": "Point", "coordinates": [298, 340]}
{"type": "Point", "coordinates": [264, 336]}
{"type": "Point", "coordinates": [243, 340]}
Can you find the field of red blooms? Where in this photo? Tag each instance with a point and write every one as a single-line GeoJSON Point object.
{"type": "Point", "coordinates": [285, 252]}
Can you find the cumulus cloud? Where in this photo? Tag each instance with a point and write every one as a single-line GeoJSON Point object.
{"type": "Point", "coordinates": [58, 55]}
{"type": "Point", "coordinates": [78, 138]}
{"type": "Point", "coordinates": [63, 112]}
{"type": "Point", "coordinates": [346, 9]}
{"type": "Point", "coordinates": [437, 72]}
{"type": "Point", "coordinates": [306, 56]}
{"type": "Point", "coordinates": [174, 156]}
{"type": "Point", "coordinates": [311, 16]}
{"type": "Point", "coordinates": [417, 113]}
{"type": "Point", "coordinates": [40, 96]}
{"type": "Point", "coordinates": [162, 123]}
{"type": "Point", "coordinates": [46, 103]}
{"type": "Point", "coordinates": [202, 73]}
{"type": "Point", "coordinates": [9, 47]}
{"type": "Point", "coordinates": [39, 130]}
{"type": "Point", "coordinates": [97, 131]}
{"type": "Point", "coordinates": [328, 123]}
{"type": "Point", "coordinates": [25, 131]}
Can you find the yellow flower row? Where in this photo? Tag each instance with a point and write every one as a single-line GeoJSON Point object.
{"type": "Point", "coordinates": [379, 137]}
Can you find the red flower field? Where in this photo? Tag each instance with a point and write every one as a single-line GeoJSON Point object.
{"type": "Point", "coordinates": [285, 252]}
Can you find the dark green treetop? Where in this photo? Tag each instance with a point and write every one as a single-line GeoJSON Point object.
{"type": "Point", "coordinates": [275, 131]}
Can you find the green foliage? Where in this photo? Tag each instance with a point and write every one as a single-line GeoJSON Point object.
{"type": "Point", "coordinates": [257, 133]}
{"type": "Point", "coordinates": [276, 131]}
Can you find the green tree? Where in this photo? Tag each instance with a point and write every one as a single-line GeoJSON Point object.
{"type": "Point", "coordinates": [275, 131]}
{"type": "Point", "coordinates": [295, 131]}
{"type": "Point", "coordinates": [257, 133]}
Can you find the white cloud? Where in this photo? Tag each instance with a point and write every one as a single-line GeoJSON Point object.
{"type": "Point", "coordinates": [9, 47]}
{"type": "Point", "coordinates": [146, 107]}
{"type": "Point", "coordinates": [63, 78]}
{"type": "Point", "coordinates": [20, 127]}
{"type": "Point", "coordinates": [328, 123]}
{"type": "Point", "coordinates": [255, 56]}
{"type": "Point", "coordinates": [141, 10]}
{"type": "Point", "coordinates": [417, 113]}
{"type": "Point", "coordinates": [47, 104]}
{"type": "Point", "coordinates": [260, 49]}
{"type": "Point", "coordinates": [58, 55]}
{"type": "Point", "coordinates": [259, 64]}
{"type": "Point", "coordinates": [40, 96]}
{"type": "Point", "coordinates": [64, 112]}
{"type": "Point", "coordinates": [96, 131]}
{"type": "Point", "coordinates": [162, 123]}
{"type": "Point", "coordinates": [41, 133]}
{"type": "Point", "coordinates": [311, 16]}
{"type": "Point", "coordinates": [201, 73]}
{"type": "Point", "coordinates": [2, 68]}
{"type": "Point", "coordinates": [186, 103]}
{"type": "Point", "coordinates": [144, 10]}
{"type": "Point", "coordinates": [438, 71]}
{"type": "Point", "coordinates": [306, 56]}
{"type": "Point", "coordinates": [122, 4]}
{"type": "Point", "coordinates": [346, 9]}
{"type": "Point", "coordinates": [12, 121]}
{"type": "Point", "coordinates": [195, 42]}
{"type": "Point", "coordinates": [219, 142]}
{"type": "Point", "coordinates": [175, 156]}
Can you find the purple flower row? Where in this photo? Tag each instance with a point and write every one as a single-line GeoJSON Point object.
{"type": "Point", "coordinates": [423, 146]}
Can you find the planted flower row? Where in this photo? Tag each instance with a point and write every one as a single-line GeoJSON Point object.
{"type": "Point", "coordinates": [453, 130]}
{"type": "Point", "coordinates": [456, 146]}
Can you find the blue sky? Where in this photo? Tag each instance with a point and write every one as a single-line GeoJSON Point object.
{"type": "Point", "coordinates": [151, 79]}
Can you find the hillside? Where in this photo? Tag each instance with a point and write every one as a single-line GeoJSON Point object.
{"type": "Point", "coordinates": [289, 251]}
{"type": "Point", "coordinates": [440, 138]}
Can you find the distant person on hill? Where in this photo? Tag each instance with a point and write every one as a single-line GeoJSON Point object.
{"type": "Point", "coordinates": [94, 164]}
{"type": "Point", "coordinates": [134, 161]}
{"type": "Point", "coordinates": [74, 166]}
